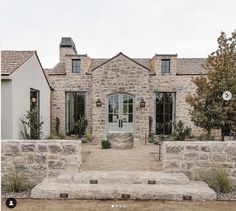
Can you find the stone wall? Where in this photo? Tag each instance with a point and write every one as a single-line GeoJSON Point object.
{"type": "Point", "coordinates": [190, 157]}
{"type": "Point", "coordinates": [70, 82]}
{"type": "Point", "coordinates": [37, 159]}
{"type": "Point", "coordinates": [121, 75]}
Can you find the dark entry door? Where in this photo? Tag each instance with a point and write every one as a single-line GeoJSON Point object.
{"type": "Point", "coordinates": [75, 109]}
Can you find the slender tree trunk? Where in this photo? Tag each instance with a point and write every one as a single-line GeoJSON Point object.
{"type": "Point", "coordinates": [222, 134]}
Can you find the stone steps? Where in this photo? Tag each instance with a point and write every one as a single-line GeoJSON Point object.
{"type": "Point", "coordinates": [123, 185]}
{"type": "Point", "coordinates": [124, 177]}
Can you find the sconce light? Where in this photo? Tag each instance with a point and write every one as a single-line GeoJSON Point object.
{"type": "Point", "coordinates": [98, 103]}
{"type": "Point", "coordinates": [142, 103]}
{"type": "Point", "coordinates": [34, 99]}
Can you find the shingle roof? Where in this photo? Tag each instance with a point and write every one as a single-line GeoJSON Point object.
{"type": "Point", "coordinates": [11, 60]}
{"type": "Point", "coordinates": [96, 62]}
{"type": "Point", "coordinates": [190, 66]}
{"type": "Point", "coordinates": [185, 66]}
{"type": "Point", "coordinates": [59, 69]}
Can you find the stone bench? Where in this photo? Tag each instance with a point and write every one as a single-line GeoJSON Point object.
{"type": "Point", "coordinates": [121, 140]}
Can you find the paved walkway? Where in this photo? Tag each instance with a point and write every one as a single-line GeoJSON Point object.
{"type": "Point", "coordinates": [140, 158]}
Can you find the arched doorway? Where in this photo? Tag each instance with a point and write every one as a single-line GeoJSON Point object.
{"type": "Point", "coordinates": [120, 113]}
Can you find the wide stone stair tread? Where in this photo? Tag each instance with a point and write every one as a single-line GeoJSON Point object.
{"type": "Point", "coordinates": [123, 184]}
{"type": "Point", "coordinates": [50, 189]}
{"type": "Point", "coordinates": [124, 177]}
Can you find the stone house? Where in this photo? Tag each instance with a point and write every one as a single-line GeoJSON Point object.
{"type": "Point", "coordinates": [120, 93]}
{"type": "Point", "coordinates": [23, 86]}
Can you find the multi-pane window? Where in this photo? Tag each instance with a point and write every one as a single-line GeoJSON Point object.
{"type": "Point", "coordinates": [127, 108]}
{"type": "Point", "coordinates": [113, 108]}
{"type": "Point", "coordinates": [165, 66]}
{"type": "Point", "coordinates": [76, 65]}
{"type": "Point", "coordinates": [165, 112]}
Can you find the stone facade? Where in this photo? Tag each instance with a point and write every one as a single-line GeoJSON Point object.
{"type": "Point", "coordinates": [190, 157]}
{"type": "Point", "coordinates": [140, 78]}
{"type": "Point", "coordinates": [37, 159]}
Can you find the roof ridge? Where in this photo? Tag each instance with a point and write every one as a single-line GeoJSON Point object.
{"type": "Point", "coordinates": [18, 50]}
{"type": "Point", "coordinates": [120, 53]}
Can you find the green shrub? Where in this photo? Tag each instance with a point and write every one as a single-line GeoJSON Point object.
{"type": "Point", "coordinates": [88, 137]}
{"type": "Point", "coordinates": [32, 125]}
{"type": "Point", "coordinates": [62, 135]}
{"type": "Point", "coordinates": [15, 183]}
{"type": "Point", "coordinates": [181, 132]}
{"type": "Point", "coordinates": [171, 137]}
{"type": "Point", "coordinates": [106, 144]}
{"type": "Point", "coordinates": [52, 136]}
{"type": "Point", "coordinates": [80, 126]}
{"type": "Point", "coordinates": [206, 137]}
{"type": "Point", "coordinates": [217, 178]}
{"type": "Point", "coordinates": [151, 137]}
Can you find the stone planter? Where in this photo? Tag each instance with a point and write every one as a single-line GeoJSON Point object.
{"type": "Point", "coordinates": [121, 140]}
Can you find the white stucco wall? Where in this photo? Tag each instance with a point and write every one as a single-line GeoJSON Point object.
{"type": "Point", "coordinates": [29, 75]}
{"type": "Point", "coordinates": [6, 109]}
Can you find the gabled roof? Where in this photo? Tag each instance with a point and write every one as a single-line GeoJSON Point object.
{"type": "Point", "coordinates": [12, 60]}
{"type": "Point", "coordinates": [59, 69]}
{"type": "Point", "coordinates": [137, 61]}
{"type": "Point", "coordinates": [185, 66]}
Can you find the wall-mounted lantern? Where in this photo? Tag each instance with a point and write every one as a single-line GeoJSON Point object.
{"type": "Point", "coordinates": [142, 103]}
{"type": "Point", "coordinates": [99, 103]}
{"type": "Point", "coordinates": [34, 99]}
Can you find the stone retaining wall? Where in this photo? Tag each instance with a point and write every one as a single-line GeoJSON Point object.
{"type": "Point", "coordinates": [37, 159]}
{"type": "Point", "coordinates": [190, 157]}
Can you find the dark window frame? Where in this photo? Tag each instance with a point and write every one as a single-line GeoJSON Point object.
{"type": "Point", "coordinates": [76, 65]}
{"type": "Point", "coordinates": [165, 66]}
{"type": "Point", "coordinates": [33, 105]}
{"type": "Point", "coordinates": [68, 128]}
{"type": "Point", "coordinates": [35, 93]}
{"type": "Point", "coordinates": [162, 115]}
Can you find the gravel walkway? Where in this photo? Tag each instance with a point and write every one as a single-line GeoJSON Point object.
{"type": "Point", "coordinates": [95, 205]}
{"type": "Point", "coordinates": [140, 158]}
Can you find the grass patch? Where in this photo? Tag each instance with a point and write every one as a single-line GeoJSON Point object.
{"type": "Point", "coordinates": [15, 183]}
{"type": "Point", "coordinates": [217, 178]}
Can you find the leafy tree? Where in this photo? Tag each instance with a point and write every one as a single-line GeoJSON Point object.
{"type": "Point", "coordinates": [32, 125]}
{"type": "Point", "coordinates": [208, 109]}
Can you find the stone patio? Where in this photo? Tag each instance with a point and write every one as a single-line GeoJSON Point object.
{"type": "Point", "coordinates": [140, 158]}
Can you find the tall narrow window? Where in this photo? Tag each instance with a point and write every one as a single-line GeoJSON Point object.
{"type": "Point", "coordinates": [35, 116]}
{"type": "Point", "coordinates": [76, 65]}
{"type": "Point", "coordinates": [165, 66]}
{"type": "Point", "coordinates": [34, 99]}
{"type": "Point", "coordinates": [75, 108]}
{"type": "Point", "coordinates": [165, 112]}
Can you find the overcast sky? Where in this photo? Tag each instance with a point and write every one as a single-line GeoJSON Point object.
{"type": "Point", "coordinates": [103, 28]}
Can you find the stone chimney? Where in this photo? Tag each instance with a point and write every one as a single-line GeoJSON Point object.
{"type": "Point", "coordinates": [67, 46]}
